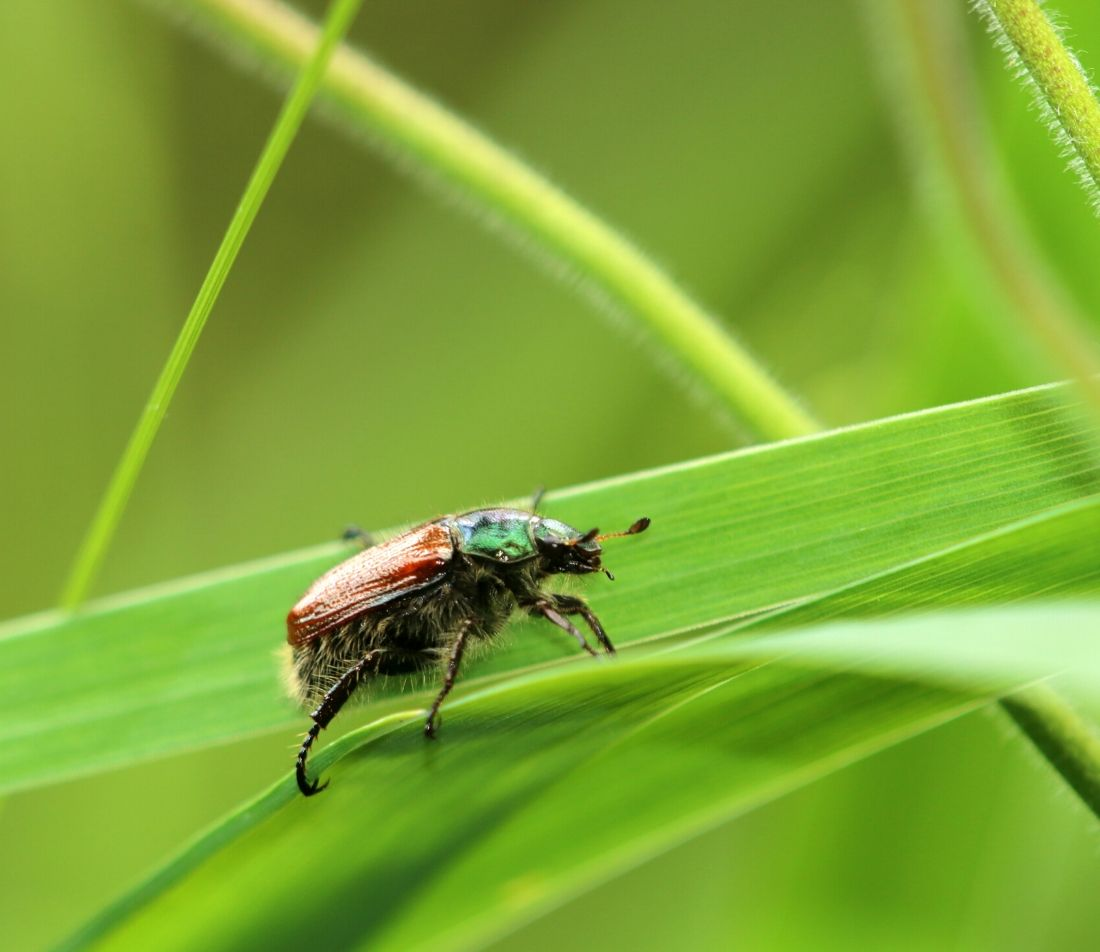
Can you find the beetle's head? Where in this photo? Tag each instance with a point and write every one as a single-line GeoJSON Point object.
{"type": "Point", "coordinates": [564, 549]}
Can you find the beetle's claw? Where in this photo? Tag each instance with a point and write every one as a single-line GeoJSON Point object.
{"type": "Point", "coordinates": [429, 729]}
{"type": "Point", "coordinates": [309, 787]}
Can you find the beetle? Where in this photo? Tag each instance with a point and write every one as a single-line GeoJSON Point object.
{"type": "Point", "coordinates": [416, 601]}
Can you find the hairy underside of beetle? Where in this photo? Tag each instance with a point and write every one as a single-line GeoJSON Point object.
{"type": "Point", "coordinates": [414, 634]}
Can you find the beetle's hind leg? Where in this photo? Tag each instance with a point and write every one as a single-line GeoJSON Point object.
{"type": "Point", "coordinates": [554, 608]}
{"type": "Point", "coordinates": [448, 678]}
{"type": "Point", "coordinates": [308, 788]}
{"type": "Point", "coordinates": [322, 715]}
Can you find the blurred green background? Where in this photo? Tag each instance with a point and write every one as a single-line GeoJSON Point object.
{"type": "Point", "coordinates": [377, 357]}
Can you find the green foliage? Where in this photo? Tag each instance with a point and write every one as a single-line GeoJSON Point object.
{"type": "Point", "coordinates": [638, 756]}
{"type": "Point", "coordinates": [795, 607]}
{"type": "Point", "coordinates": [443, 146]}
{"type": "Point", "coordinates": [733, 536]}
{"type": "Point", "coordinates": [1063, 91]}
{"type": "Point", "coordinates": [105, 523]}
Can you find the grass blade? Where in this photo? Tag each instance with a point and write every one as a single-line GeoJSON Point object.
{"type": "Point", "coordinates": [94, 546]}
{"type": "Point", "coordinates": [626, 767]}
{"type": "Point", "coordinates": [194, 663]}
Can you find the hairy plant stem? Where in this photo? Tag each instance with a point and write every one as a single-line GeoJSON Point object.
{"type": "Point", "coordinates": [407, 122]}
{"type": "Point", "coordinates": [1061, 85]}
{"type": "Point", "coordinates": [940, 86]}
{"type": "Point", "coordinates": [100, 533]}
{"type": "Point", "coordinates": [1062, 736]}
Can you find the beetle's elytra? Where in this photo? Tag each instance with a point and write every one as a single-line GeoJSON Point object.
{"type": "Point", "coordinates": [414, 602]}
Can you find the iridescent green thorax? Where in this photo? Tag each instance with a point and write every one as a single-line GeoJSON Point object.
{"type": "Point", "coordinates": [503, 535]}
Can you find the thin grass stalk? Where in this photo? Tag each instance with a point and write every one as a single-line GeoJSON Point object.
{"type": "Point", "coordinates": [105, 523]}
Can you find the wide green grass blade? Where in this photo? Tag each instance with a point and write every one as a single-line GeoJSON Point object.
{"type": "Point", "coordinates": [1055, 553]}
{"type": "Point", "coordinates": [196, 663]}
{"type": "Point", "coordinates": [594, 769]}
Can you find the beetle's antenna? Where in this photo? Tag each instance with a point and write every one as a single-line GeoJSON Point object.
{"type": "Point", "coordinates": [640, 526]}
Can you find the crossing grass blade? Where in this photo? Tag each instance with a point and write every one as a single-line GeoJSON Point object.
{"type": "Point", "coordinates": [594, 769]}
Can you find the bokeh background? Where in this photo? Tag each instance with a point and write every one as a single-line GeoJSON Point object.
{"type": "Point", "coordinates": [378, 357]}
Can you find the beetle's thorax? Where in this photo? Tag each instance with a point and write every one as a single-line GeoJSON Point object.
{"type": "Point", "coordinates": [497, 535]}
{"type": "Point", "coordinates": [509, 536]}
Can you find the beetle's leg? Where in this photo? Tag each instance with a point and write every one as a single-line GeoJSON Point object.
{"type": "Point", "coordinates": [448, 678]}
{"type": "Point", "coordinates": [308, 788]}
{"type": "Point", "coordinates": [571, 605]}
{"type": "Point", "coordinates": [551, 614]}
{"type": "Point", "coordinates": [355, 534]}
{"type": "Point", "coordinates": [536, 498]}
{"type": "Point", "coordinates": [322, 715]}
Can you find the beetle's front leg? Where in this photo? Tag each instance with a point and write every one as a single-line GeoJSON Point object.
{"type": "Point", "coordinates": [571, 605]}
{"type": "Point", "coordinates": [547, 609]}
{"type": "Point", "coordinates": [449, 677]}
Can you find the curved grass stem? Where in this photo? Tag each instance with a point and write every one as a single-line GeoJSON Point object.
{"type": "Point", "coordinates": [105, 522]}
{"type": "Point", "coordinates": [1062, 736]}
{"type": "Point", "coordinates": [446, 147]}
